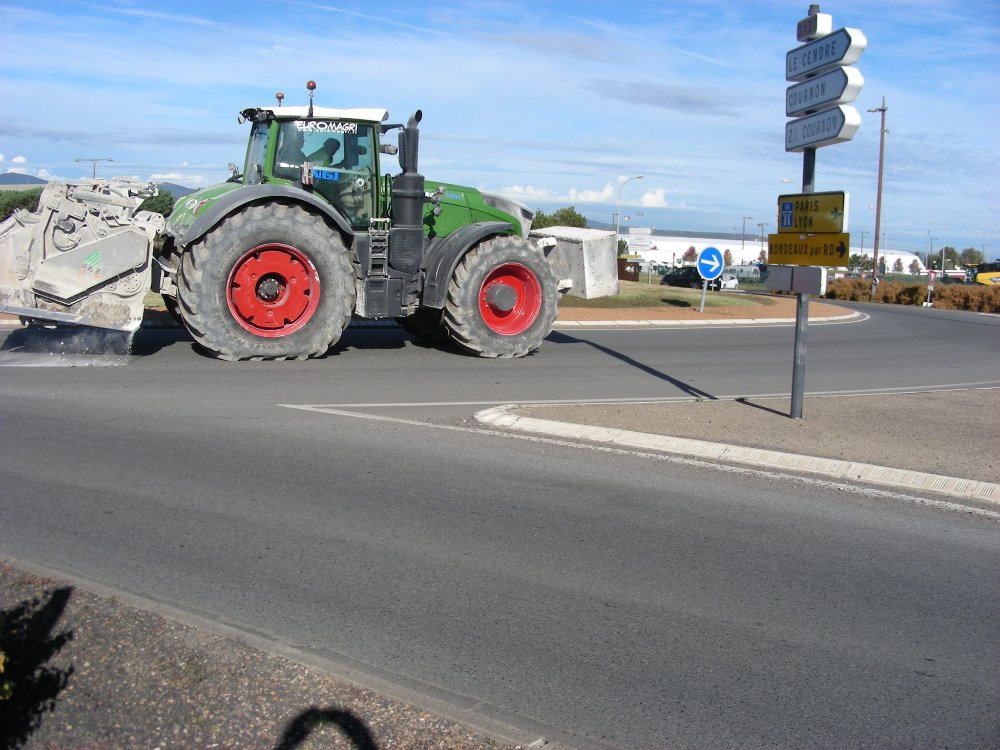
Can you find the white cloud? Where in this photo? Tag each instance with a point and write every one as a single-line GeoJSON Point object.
{"type": "Point", "coordinates": [19, 160]}
{"type": "Point", "coordinates": [654, 199]}
{"type": "Point", "coordinates": [1, 158]}
{"type": "Point", "coordinates": [527, 193]}
{"type": "Point", "coordinates": [607, 195]}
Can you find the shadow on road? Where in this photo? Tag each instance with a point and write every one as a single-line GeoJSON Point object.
{"type": "Point", "coordinates": [28, 684]}
{"type": "Point", "coordinates": [299, 728]}
{"type": "Point", "coordinates": [559, 337]}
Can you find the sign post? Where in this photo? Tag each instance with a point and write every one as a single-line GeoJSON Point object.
{"type": "Point", "coordinates": [710, 264]}
{"type": "Point", "coordinates": [824, 213]}
{"type": "Point", "coordinates": [812, 226]}
{"type": "Point", "coordinates": [808, 249]}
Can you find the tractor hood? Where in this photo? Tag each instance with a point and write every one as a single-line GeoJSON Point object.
{"type": "Point", "coordinates": [464, 205]}
{"type": "Point", "coordinates": [188, 208]}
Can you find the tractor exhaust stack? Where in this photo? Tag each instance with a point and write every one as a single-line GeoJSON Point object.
{"type": "Point", "coordinates": [406, 238]}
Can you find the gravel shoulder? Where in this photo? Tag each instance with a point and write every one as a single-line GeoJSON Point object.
{"type": "Point", "coordinates": [89, 671]}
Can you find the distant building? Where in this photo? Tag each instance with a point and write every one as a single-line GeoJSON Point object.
{"type": "Point", "coordinates": [668, 251]}
{"type": "Point", "coordinates": [889, 257]}
{"type": "Point", "coordinates": [663, 250]}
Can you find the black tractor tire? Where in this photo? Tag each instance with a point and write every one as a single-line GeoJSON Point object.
{"type": "Point", "coordinates": [273, 281]}
{"type": "Point", "coordinates": [173, 307]}
{"type": "Point", "coordinates": [502, 299]}
{"type": "Point", "coordinates": [425, 325]}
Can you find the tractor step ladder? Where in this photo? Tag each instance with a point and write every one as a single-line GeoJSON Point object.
{"type": "Point", "coordinates": [378, 245]}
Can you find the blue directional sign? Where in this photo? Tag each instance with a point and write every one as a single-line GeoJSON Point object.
{"type": "Point", "coordinates": [710, 264]}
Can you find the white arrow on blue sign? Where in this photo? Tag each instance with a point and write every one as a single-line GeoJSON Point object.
{"type": "Point", "coordinates": [822, 129]}
{"type": "Point", "coordinates": [839, 86]}
{"type": "Point", "coordinates": [710, 264]}
{"type": "Point", "coordinates": [842, 47]}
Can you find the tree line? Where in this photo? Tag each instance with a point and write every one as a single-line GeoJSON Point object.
{"type": "Point", "coordinates": [11, 200]}
{"type": "Point", "coordinates": [953, 259]}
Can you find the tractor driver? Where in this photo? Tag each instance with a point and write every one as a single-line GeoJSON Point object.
{"type": "Point", "coordinates": [323, 156]}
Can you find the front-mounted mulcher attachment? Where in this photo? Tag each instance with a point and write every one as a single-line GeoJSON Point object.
{"type": "Point", "coordinates": [83, 257]}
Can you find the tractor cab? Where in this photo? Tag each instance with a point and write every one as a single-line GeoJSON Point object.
{"type": "Point", "coordinates": [330, 152]}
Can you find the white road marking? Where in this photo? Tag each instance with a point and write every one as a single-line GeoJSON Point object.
{"type": "Point", "coordinates": [344, 410]}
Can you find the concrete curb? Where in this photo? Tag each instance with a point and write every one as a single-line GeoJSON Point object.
{"type": "Point", "coordinates": [702, 322]}
{"type": "Point", "coordinates": [987, 492]}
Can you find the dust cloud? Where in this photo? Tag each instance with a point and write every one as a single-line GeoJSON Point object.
{"type": "Point", "coordinates": [66, 346]}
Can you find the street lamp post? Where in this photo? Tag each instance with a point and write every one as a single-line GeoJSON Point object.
{"type": "Point", "coordinates": [743, 235]}
{"type": "Point", "coordinates": [618, 213]}
{"type": "Point", "coordinates": [878, 196]}
{"type": "Point", "coordinates": [93, 162]}
{"type": "Point", "coordinates": [761, 225]}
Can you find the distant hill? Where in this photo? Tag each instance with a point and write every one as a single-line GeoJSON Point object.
{"type": "Point", "coordinates": [16, 178]}
{"type": "Point", "coordinates": [175, 190]}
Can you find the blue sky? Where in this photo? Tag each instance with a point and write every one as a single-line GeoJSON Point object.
{"type": "Point", "coordinates": [552, 103]}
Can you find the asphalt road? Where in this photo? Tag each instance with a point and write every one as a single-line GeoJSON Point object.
{"type": "Point", "coordinates": [594, 597]}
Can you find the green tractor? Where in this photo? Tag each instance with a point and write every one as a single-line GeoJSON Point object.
{"type": "Point", "coordinates": [273, 263]}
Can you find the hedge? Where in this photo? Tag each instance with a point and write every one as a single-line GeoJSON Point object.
{"type": "Point", "coordinates": [976, 297]}
{"type": "Point", "coordinates": [12, 199]}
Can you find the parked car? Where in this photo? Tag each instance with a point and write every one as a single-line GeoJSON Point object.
{"type": "Point", "coordinates": [686, 276]}
{"type": "Point", "coordinates": [950, 280]}
{"type": "Point", "coordinates": [729, 281]}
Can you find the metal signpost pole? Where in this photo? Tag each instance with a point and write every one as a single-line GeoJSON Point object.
{"type": "Point", "coordinates": [802, 304]}
{"type": "Point", "coordinates": [823, 83]}
{"type": "Point", "coordinates": [710, 264]}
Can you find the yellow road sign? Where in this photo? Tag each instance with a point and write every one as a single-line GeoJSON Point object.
{"type": "Point", "coordinates": [808, 249]}
{"type": "Point", "coordinates": [812, 213]}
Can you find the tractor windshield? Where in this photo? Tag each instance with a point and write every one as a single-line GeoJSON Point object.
{"type": "Point", "coordinates": [256, 151]}
{"type": "Point", "coordinates": [342, 157]}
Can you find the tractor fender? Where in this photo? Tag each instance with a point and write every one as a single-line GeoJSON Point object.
{"type": "Point", "coordinates": [445, 254]}
{"type": "Point", "coordinates": [233, 201]}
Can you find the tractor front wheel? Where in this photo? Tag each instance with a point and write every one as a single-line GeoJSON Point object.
{"type": "Point", "coordinates": [271, 282]}
{"type": "Point", "coordinates": [502, 299]}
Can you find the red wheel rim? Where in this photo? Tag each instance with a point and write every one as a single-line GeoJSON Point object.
{"type": "Point", "coordinates": [273, 290]}
{"type": "Point", "coordinates": [510, 299]}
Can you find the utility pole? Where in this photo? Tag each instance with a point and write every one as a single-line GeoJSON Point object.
{"type": "Point", "coordinates": [93, 171]}
{"type": "Point", "coordinates": [878, 196]}
{"type": "Point", "coordinates": [743, 235]}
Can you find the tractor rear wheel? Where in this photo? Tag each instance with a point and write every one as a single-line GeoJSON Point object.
{"type": "Point", "coordinates": [502, 299]}
{"type": "Point", "coordinates": [270, 282]}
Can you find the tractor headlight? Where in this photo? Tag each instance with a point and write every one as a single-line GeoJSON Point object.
{"type": "Point", "coordinates": [518, 210]}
